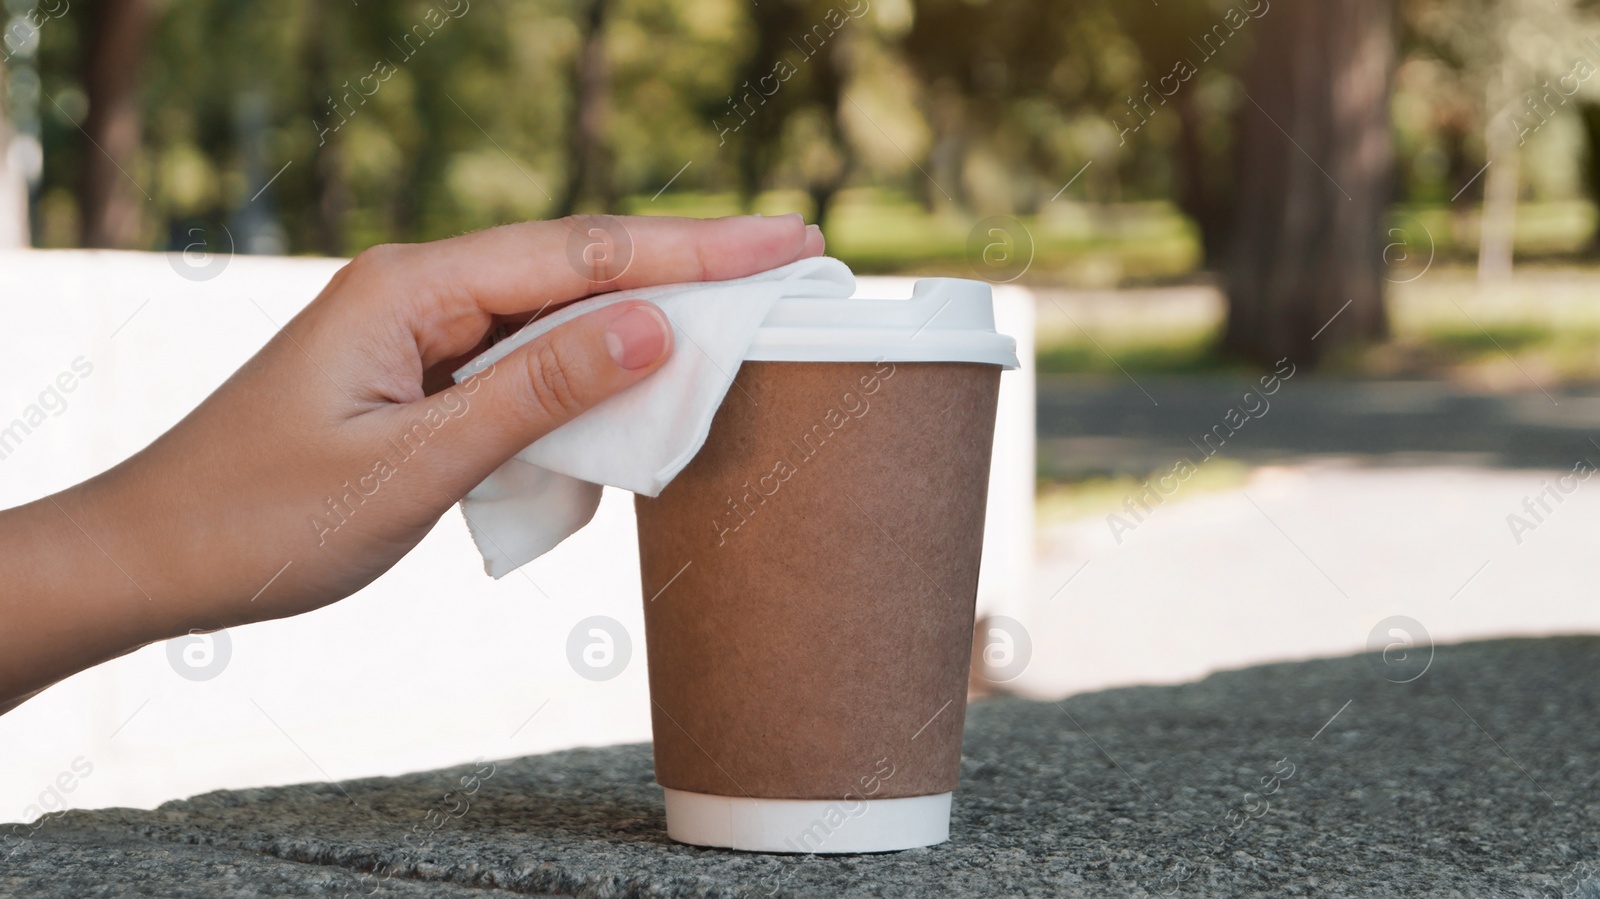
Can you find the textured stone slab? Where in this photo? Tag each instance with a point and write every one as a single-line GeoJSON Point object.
{"type": "Point", "coordinates": [1481, 777]}
{"type": "Point", "coordinates": [90, 863]}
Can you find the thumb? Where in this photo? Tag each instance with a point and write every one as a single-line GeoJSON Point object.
{"type": "Point", "coordinates": [540, 387]}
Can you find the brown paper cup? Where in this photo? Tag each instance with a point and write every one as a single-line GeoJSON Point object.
{"type": "Point", "coordinates": [808, 586]}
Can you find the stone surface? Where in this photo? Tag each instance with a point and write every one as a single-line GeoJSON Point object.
{"type": "Point", "coordinates": [1477, 778]}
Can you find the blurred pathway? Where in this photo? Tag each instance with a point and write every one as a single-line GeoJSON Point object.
{"type": "Point", "coordinates": [1098, 426]}
{"type": "Point", "coordinates": [1371, 500]}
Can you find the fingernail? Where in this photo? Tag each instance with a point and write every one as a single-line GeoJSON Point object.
{"type": "Point", "coordinates": [637, 337]}
{"type": "Point", "coordinates": [794, 215]}
{"type": "Point", "coordinates": [814, 244]}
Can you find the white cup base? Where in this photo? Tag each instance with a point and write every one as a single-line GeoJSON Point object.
{"type": "Point", "coordinates": [811, 826]}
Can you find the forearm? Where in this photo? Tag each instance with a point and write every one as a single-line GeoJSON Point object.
{"type": "Point", "coordinates": [188, 533]}
{"type": "Point", "coordinates": [70, 589]}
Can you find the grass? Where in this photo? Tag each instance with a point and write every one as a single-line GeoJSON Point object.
{"type": "Point", "coordinates": [1084, 245]}
{"type": "Point", "coordinates": [1181, 351]}
{"type": "Point", "coordinates": [1097, 497]}
{"type": "Point", "coordinates": [881, 232]}
{"type": "Point", "coordinates": [1473, 343]}
{"type": "Point", "coordinates": [1543, 229]}
{"type": "Point", "coordinates": [1550, 353]}
{"type": "Point", "coordinates": [1069, 244]}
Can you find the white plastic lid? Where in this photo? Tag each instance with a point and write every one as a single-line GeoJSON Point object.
{"type": "Point", "coordinates": [813, 826]}
{"type": "Point", "coordinates": [945, 320]}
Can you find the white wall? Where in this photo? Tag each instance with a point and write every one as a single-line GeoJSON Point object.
{"type": "Point", "coordinates": [432, 664]}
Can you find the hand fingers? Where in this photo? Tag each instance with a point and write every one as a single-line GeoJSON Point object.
{"type": "Point", "coordinates": [437, 377]}
{"type": "Point", "coordinates": [475, 426]}
{"type": "Point", "coordinates": [462, 282]}
{"type": "Point", "coordinates": [814, 245]}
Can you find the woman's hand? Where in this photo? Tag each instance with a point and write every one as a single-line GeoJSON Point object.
{"type": "Point", "coordinates": [333, 451]}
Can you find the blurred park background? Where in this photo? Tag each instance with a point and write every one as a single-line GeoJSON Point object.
{"type": "Point", "coordinates": [1287, 158]}
{"type": "Point", "coordinates": [1193, 186]}
{"type": "Point", "coordinates": [1385, 207]}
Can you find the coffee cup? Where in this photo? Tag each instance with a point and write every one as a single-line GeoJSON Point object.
{"type": "Point", "coordinates": [809, 578]}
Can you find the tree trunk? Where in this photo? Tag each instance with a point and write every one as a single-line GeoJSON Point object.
{"type": "Point", "coordinates": [1315, 167]}
{"type": "Point", "coordinates": [825, 71]}
{"type": "Point", "coordinates": [330, 196]}
{"type": "Point", "coordinates": [112, 202]}
{"type": "Point", "coordinates": [823, 185]}
{"type": "Point", "coordinates": [588, 145]}
{"type": "Point", "coordinates": [1589, 116]}
{"type": "Point", "coordinates": [1497, 219]}
{"type": "Point", "coordinates": [946, 160]}
{"type": "Point", "coordinates": [1199, 196]}
{"type": "Point", "coordinates": [13, 183]}
{"type": "Point", "coordinates": [775, 24]}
